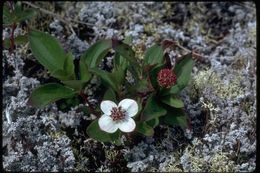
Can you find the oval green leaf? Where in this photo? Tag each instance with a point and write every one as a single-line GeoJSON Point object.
{"type": "Point", "coordinates": [84, 72]}
{"type": "Point", "coordinates": [144, 129]}
{"type": "Point", "coordinates": [173, 101]}
{"type": "Point", "coordinates": [183, 71]}
{"type": "Point", "coordinates": [96, 53]}
{"type": "Point", "coordinates": [152, 109]}
{"type": "Point", "coordinates": [154, 55]}
{"type": "Point", "coordinates": [77, 85]}
{"type": "Point", "coordinates": [94, 131]}
{"type": "Point", "coordinates": [106, 77]}
{"type": "Point", "coordinates": [8, 17]}
{"type": "Point", "coordinates": [110, 95]}
{"type": "Point", "coordinates": [176, 117]}
{"type": "Point", "coordinates": [69, 67]}
{"type": "Point", "coordinates": [49, 93]}
{"type": "Point", "coordinates": [153, 122]}
{"type": "Point", "coordinates": [47, 50]}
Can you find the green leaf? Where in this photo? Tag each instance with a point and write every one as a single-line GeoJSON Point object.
{"type": "Point", "coordinates": [153, 75]}
{"type": "Point", "coordinates": [128, 40]}
{"type": "Point", "coordinates": [7, 43]}
{"type": "Point", "coordinates": [107, 78]}
{"type": "Point", "coordinates": [152, 109]}
{"type": "Point", "coordinates": [8, 17]}
{"type": "Point", "coordinates": [77, 85]}
{"type": "Point", "coordinates": [117, 142]}
{"type": "Point", "coordinates": [142, 86]}
{"type": "Point", "coordinates": [173, 101]}
{"type": "Point", "coordinates": [153, 122]}
{"type": "Point", "coordinates": [120, 62]}
{"type": "Point", "coordinates": [17, 15]}
{"type": "Point", "coordinates": [174, 90]}
{"type": "Point", "coordinates": [60, 74]}
{"type": "Point", "coordinates": [110, 95]}
{"type": "Point", "coordinates": [125, 51]}
{"type": "Point", "coordinates": [96, 53]}
{"type": "Point", "coordinates": [69, 66]}
{"type": "Point", "coordinates": [84, 72]}
{"type": "Point", "coordinates": [183, 71]}
{"type": "Point", "coordinates": [47, 50]}
{"type": "Point", "coordinates": [94, 131]}
{"type": "Point", "coordinates": [144, 129]}
{"type": "Point", "coordinates": [119, 75]}
{"type": "Point", "coordinates": [68, 70]}
{"type": "Point", "coordinates": [176, 117]}
{"type": "Point", "coordinates": [114, 79]}
{"type": "Point", "coordinates": [49, 93]}
{"type": "Point", "coordinates": [20, 39]}
{"type": "Point", "coordinates": [21, 15]}
{"type": "Point", "coordinates": [139, 103]}
{"type": "Point", "coordinates": [154, 55]}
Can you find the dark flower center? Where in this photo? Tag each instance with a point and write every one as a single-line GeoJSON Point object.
{"type": "Point", "coordinates": [117, 114]}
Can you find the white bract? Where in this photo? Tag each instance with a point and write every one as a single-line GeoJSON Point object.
{"type": "Point", "coordinates": [118, 116]}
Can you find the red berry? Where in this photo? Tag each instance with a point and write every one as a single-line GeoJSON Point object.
{"type": "Point", "coordinates": [166, 78]}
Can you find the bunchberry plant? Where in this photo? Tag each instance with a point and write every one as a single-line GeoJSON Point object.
{"type": "Point", "coordinates": [138, 105]}
{"type": "Point", "coordinates": [13, 15]}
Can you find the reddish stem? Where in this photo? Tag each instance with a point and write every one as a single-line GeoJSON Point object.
{"type": "Point", "coordinates": [12, 37]}
{"type": "Point", "coordinates": [189, 124]}
{"type": "Point", "coordinates": [91, 109]}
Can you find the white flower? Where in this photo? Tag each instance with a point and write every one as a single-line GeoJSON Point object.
{"type": "Point", "coordinates": [115, 117]}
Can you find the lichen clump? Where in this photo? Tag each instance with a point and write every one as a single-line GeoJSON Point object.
{"type": "Point", "coordinates": [211, 80]}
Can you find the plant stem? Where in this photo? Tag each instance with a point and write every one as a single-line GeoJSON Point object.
{"type": "Point", "coordinates": [91, 109]}
{"type": "Point", "coordinates": [11, 7]}
{"type": "Point", "coordinates": [12, 37]}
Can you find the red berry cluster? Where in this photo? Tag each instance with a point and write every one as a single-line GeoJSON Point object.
{"type": "Point", "coordinates": [166, 78]}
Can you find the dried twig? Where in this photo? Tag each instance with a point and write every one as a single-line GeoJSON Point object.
{"type": "Point", "coordinates": [195, 55]}
{"type": "Point", "coordinates": [244, 5]}
{"type": "Point", "coordinates": [170, 43]}
{"type": "Point", "coordinates": [66, 21]}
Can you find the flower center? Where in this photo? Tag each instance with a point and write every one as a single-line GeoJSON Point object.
{"type": "Point", "coordinates": [117, 114]}
{"type": "Point", "coordinates": [166, 78]}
